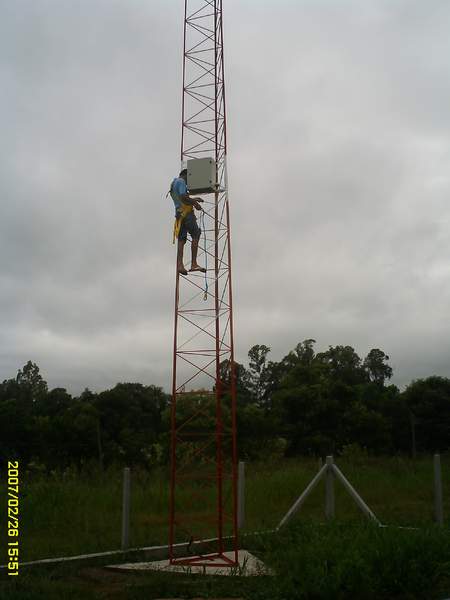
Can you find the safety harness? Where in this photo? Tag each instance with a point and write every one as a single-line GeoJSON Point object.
{"type": "Point", "coordinates": [180, 216]}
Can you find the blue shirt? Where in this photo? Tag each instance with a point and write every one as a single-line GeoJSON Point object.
{"type": "Point", "coordinates": [177, 190]}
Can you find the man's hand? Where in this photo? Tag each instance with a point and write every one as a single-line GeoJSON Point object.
{"type": "Point", "coordinates": [195, 203]}
{"type": "Point", "coordinates": [190, 200]}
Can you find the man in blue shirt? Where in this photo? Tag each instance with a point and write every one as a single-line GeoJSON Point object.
{"type": "Point", "coordinates": [186, 221]}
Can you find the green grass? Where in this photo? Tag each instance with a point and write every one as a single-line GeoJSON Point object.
{"type": "Point", "coordinates": [337, 561]}
{"type": "Point", "coordinates": [350, 560]}
{"type": "Point", "coordinates": [74, 513]}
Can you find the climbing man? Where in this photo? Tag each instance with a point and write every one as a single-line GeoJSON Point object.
{"type": "Point", "coordinates": [185, 222]}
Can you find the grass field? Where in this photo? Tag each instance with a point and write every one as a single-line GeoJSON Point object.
{"type": "Point", "coordinates": [63, 515]}
{"type": "Point", "coordinates": [81, 513]}
{"type": "Point", "coordinates": [311, 562]}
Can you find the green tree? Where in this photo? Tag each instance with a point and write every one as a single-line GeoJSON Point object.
{"type": "Point", "coordinates": [131, 421]}
{"type": "Point", "coordinates": [257, 433]}
{"type": "Point", "coordinates": [258, 372]}
{"type": "Point", "coordinates": [31, 383]}
{"type": "Point", "coordinates": [18, 400]}
{"type": "Point", "coordinates": [344, 364]}
{"type": "Point", "coordinates": [50, 433]}
{"type": "Point", "coordinates": [429, 401]}
{"type": "Point", "coordinates": [376, 367]}
{"type": "Point", "coordinates": [309, 415]}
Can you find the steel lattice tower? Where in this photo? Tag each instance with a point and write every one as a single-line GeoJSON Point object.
{"type": "Point", "coordinates": [203, 499]}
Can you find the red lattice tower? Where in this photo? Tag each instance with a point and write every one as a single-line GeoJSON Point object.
{"type": "Point", "coordinates": [203, 502]}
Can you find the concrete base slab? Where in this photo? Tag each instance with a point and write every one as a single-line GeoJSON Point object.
{"type": "Point", "coordinates": [249, 565]}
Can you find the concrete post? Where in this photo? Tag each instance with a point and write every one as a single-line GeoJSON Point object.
{"type": "Point", "coordinates": [354, 494]}
{"type": "Point", "coordinates": [300, 500]}
{"type": "Point", "coordinates": [126, 509]}
{"type": "Point", "coordinates": [438, 503]}
{"type": "Point", "coordinates": [329, 489]}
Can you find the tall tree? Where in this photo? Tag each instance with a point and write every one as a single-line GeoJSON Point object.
{"type": "Point", "coordinates": [376, 366]}
{"type": "Point", "coordinates": [258, 371]}
{"type": "Point", "coordinates": [31, 384]}
{"type": "Point", "coordinates": [344, 364]}
{"type": "Point", "coordinates": [19, 398]}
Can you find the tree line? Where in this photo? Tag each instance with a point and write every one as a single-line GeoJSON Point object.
{"type": "Point", "coordinates": [308, 403]}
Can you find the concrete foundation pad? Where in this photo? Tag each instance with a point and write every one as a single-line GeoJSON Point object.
{"type": "Point", "coordinates": [248, 566]}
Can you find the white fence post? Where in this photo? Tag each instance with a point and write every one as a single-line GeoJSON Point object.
{"type": "Point", "coordinates": [300, 500]}
{"type": "Point", "coordinates": [241, 495]}
{"type": "Point", "coordinates": [329, 489]}
{"type": "Point", "coordinates": [126, 509]}
{"type": "Point", "coordinates": [354, 494]}
{"type": "Point", "coordinates": [438, 504]}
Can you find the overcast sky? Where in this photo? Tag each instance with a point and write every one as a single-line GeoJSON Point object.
{"type": "Point", "coordinates": [339, 172]}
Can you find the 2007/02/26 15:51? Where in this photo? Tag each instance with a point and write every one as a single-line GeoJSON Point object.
{"type": "Point", "coordinates": [13, 517]}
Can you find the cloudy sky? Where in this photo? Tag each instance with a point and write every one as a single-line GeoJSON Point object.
{"type": "Point", "coordinates": [339, 170]}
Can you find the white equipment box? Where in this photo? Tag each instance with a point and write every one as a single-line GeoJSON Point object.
{"type": "Point", "coordinates": [201, 176]}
